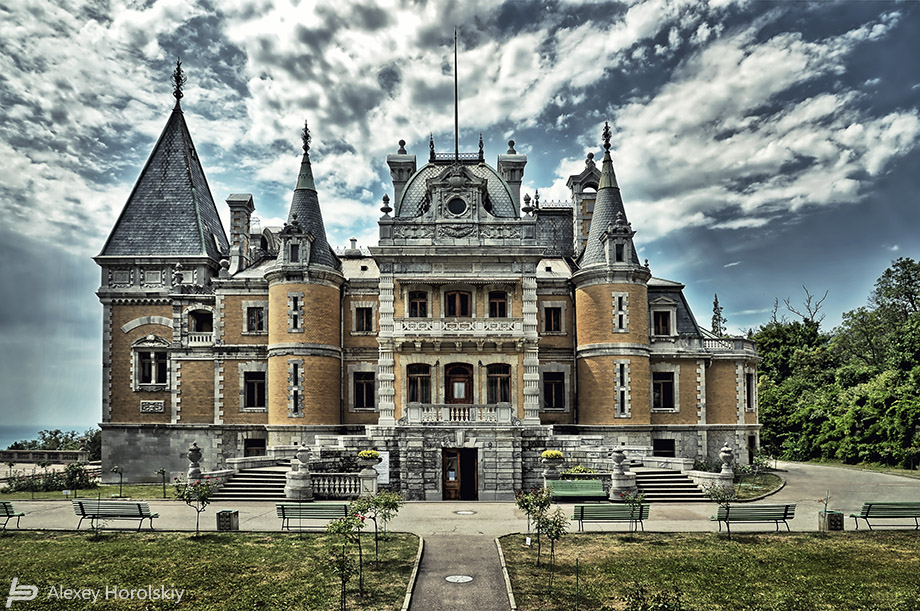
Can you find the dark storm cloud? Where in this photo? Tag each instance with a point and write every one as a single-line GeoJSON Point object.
{"type": "Point", "coordinates": [389, 78]}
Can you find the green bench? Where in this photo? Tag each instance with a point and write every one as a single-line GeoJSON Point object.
{"type": "Point", "coordinates": [577, 488]}
{"type": "Point", "coordinates": [310, 511]}
{"type": "Point", "coordinates": [7, 511]}
{"type": "Point", "coordinates": [887, 511]}
{"type": "Point", "coordinates": [610, 513]}
{"type": "Point", "coordinates": [94, 510]}
{"type": "Point", "coordinates": [754, 513]}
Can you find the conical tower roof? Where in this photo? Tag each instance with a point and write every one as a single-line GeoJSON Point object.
{"type": "Point", "coordinates": [170, 212]}
{"type": "Point", "coordinates": [305, 209]}
{"type": "Point", "coordinates": [607, 207]}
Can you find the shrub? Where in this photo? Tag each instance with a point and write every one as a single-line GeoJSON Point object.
{"type": "Point", "coordinates": [579, 469]}
{"type": "Point", "coordinates": [551, 454]}
{"type": "Point", "coordinates": [368, 454]}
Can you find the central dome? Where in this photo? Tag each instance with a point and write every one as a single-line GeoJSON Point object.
{"type": "Point", "coordinates": [414, 200]}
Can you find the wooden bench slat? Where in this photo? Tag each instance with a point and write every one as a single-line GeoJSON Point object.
{"type": "Point", "coordinates": [888, 510]}
{"type": "Point", "coordinates": [309, 511]}
{"type": "Point", "coordinates": [7, 511]}
{"type": "Point", "coordinates": [754, 513]}
{"type": "Point", "coordinates": [113, 510]}
{"type": "Point", "coordinates": [610, 513]}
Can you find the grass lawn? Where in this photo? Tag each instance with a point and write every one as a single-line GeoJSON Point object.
{"type": "Point", "coordinates": [220, 572]}
{"type": "Point", "coordinates": [754, 486]}
{"type": "Point", "coordinates": [783, 572]}
{"type": "Point", "coordinates": [150, 492]}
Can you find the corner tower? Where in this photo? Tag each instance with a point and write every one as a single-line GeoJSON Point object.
{"type": "Point", "coordinates": [611, 305]}
{"type": "Point", "coordinates": [304, 294]}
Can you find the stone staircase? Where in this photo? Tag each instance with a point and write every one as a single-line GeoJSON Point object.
{"type": "Point", "coordinates": [666, 486]}
{"type": "Point", "coordinates": [255, 484]}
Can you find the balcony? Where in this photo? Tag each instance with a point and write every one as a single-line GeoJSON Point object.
{"type": "Point", "coordinates": [730, 344]}
{"type": "Point", "coordinates": [201, 339]}
{"type": "Point", "coordinates": [458, 327]}
{"type": "Point", "coordinates": [421, 413]}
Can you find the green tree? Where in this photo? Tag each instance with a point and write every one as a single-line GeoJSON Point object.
{"type": "Point", "coordinates": [718, 320]}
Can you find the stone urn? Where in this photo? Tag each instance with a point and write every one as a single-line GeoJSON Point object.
{"type": "Point", "coordinates": [194, 458]}
{"type": "Point", "coordinates": [618, 457]}
{"type": "Point", "coordinates": [727, 456]}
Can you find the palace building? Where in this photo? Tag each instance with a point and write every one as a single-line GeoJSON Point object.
{"type": "Point", "coordinates": [481, 329]}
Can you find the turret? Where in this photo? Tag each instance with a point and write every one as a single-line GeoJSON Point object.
{"type": "Point", "coordinates": [611, 305]}
{"type": "Point", "coordinates": [304, 347]}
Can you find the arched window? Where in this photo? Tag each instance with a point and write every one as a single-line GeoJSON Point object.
{"type": "Point", "coordinates": [498, 304]}
{"type": "Point", "coordinates": [457, 304]}
{"type": "Point", "coordinates": [419, 383]}
{"type": "Point", "coordinates": [498, 387]}
{"type": "Point", "coordinates": [418, 304]}
{"type": "Point", "coordinates": [201, 321]}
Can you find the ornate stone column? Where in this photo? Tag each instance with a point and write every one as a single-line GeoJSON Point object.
{"type": "Point", "coordinates": [385, 361]}
{"type": "Point", "coordinates": [531, 353]}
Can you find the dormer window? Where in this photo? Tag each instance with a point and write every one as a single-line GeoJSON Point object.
{"type": "Point", "coordinates": [295, 253]}
{"type": "Point", "coordinates": [662, 321]}
{"type": "Point", "coordinates": [619, 249]}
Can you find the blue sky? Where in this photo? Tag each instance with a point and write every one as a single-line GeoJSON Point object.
{"type": "Point", "coordinates": [759, 146]}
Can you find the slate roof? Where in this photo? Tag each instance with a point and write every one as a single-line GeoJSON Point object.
{"type": "Point", "coordinates": [410, 204]}
{"type": "Point", "coordinates": [170, 212]}
{"type": "Point", "coordinates": [305, 206]}
{"type": "Point", "coordinates": [607, 205]}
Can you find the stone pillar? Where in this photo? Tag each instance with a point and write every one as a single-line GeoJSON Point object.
{"type": "Point", "coordinates": [623, 482]}
{"type": "Point", "coordinates": [551, 470]}
{"type": "Point", "coordinates": [531, 353]}
{"type": "Point", "coordinates": [385, 375]}
{"type": "Point", "coordinates": [298, 481]}
{"type": "Point", "coordinates": [368, 477]}
{"type": "Point", "coordinates": [194, 458]}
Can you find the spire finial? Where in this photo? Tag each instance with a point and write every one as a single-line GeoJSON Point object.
{"type": "Point", "coordinates": [481, 153]}
{"type": "Point", "coordinates": [606, 136]}
{"type": "Point", "coordinates": [305, 136]}
{"type": "Point", "coordinates": [178, 78]}
{"type": "Point", "coordinates": [431, 147]}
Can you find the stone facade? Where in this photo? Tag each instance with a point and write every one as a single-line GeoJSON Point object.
{"type": "Point", "coordinates": [481, 330]}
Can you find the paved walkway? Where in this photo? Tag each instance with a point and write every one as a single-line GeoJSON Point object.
{"type": "Point", "coordinates": [459, 537]}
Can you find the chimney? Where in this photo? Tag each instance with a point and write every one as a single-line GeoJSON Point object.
{"type": "Point", "coordinates": [241, 209]}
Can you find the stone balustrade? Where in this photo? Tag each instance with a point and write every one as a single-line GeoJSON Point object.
{"type": "Point", "coordinates": [336, 485]}
{"type": "Point", "coordinates": [56, 457]}
{"type": "Point", "coordinates": [200, 339]}
{"type": "Point", "coordinates": [454, 327]}
{"type": "Point", "coordinates": [421, 413]}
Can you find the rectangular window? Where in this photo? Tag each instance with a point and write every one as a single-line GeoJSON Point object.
{"type": "Point", "coordinates": [498, 384]}
{"type": "Point", "coordinates": [619, 253]}
{"type": "Point", "coordinates": [553, 390]}
{"type": "Point", "coordinates": [364, 319]}
{"type": "Point", "coordinates": [254, 383]}
{"type": "Point", "coordinates": [418, 304]}
{"type": "Point", "coordinates": [621, 407]}
{"type": "Point", "coordinates": [152, 367]}
{"type": "Point", "coordinates": [295, 253]}
{"type": "Point", "coordinates": [662, 322]}
{"type": "Point", "coordinates": [295, 392]}
{"type": "Point", "coordinates": [419, 383]}
{"type": "Point", "coordinates": [295, 313]}
{"type": "Point", "coordinates": [458, 303]}
{"type": "Point", "coordinates": [498, 304]}
{"type": "Point", "coordinates": [749, 391]}
{"type": "Point", "coordinates": [364, 390]}
{"type": "Point", "coordinates": [255, 319]}
{"type": "Point", "coordinates": [663, 390]}
{"type": "Point", "coordinates": [552, 320]}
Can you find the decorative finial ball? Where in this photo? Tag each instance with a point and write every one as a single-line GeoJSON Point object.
{"type": "Point", "coordinates": [511, 150]}
{"type": "Point", "coordinates": [225, 263]}
{"type": "Point", "coordinates": [527, 198]}
{"type": "Point", "coordinates": [591, 156]}
{"type": "Point", "coordinates": [402, 147]}
{"type": "Point", "coordinates": [386, 198]}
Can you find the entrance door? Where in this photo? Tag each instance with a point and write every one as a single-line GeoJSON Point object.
{"type": "Point", "coordinates": [459, 379]}
{"type": "Point", "coordinates": [459, 475]}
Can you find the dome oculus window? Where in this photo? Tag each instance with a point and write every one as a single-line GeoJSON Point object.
{"type": "Point", "coordinates": [456, 206]}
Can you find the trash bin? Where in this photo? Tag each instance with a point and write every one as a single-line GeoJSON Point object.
{"type": "Point", "coordinates": [228, 519]}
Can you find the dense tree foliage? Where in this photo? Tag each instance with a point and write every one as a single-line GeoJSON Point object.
{"type": "Point", "coordinates": [852, 394]}
{"type": "Point", "coordinates": [56, 439]}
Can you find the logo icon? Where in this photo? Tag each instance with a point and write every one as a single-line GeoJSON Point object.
{"type": "Point", "coordinates": [18, 592]}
